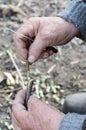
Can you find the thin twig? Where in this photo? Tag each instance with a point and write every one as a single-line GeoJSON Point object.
{"type": "Point", "coordinates": [12, 90]}
{"type": "Point", "coordinates": [20, 34]}
{"type": "Point", "coordinates": [51, 69]}
{"type": "Point", "coordinates": [20, 3]}
{"type": "Point", "coordinates": [78, 61]}
{"type": "Point", "coordinates": [17, 69]}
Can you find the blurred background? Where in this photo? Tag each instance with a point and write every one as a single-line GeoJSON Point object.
{"type": "Point", "coordinates": [56, 77]}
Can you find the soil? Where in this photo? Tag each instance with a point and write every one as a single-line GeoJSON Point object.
{"type": "Point", "coordinates": [64, 71]}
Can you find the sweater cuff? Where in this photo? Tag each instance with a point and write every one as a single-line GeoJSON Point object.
{"type": "Point", "coordinates": [75, 13]}
{"type": "Point", "coordinates": [72, 121]}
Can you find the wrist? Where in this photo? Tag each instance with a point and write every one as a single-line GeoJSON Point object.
{"type": "Point", "coordinates": [72, 121]}
{"type": "Point", "coordinates": [75, 13]}
{"type": "Point", "coordinates": [70, 26]}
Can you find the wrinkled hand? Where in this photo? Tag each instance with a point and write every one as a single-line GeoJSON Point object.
{"type": "Point", "coordinates": [40, 116]}
{"type": "Point", "coordinates": [48, 31]}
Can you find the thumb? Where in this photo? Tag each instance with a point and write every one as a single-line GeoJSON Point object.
{"type": "Point", "coordinates": [36, 49]}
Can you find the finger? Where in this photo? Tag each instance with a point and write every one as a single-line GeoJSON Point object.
{"type": "Point", "coordinates": [36, 49]}
{"type": "Point", "coordinates": [46, 54]}
{"type": "Point", "coordinates": [19, 99]}
{"type": "Point", "coordinates": [18, 108]}
{"type": "Point", "coordinates": [21, 49]}
{"type": "Point", "coordinates": [33, 101]}
{"type": "Point", "coordinates": [15, 123]}
{"type": "Point", "coordinates": [38, 105]}
{"type": "Point", "coordinates": [21, 42]}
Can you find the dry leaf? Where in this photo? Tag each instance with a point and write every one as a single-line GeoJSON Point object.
{"type": "Point", "coordinates": [10, 79]}
{"type": "Point", "coordinates": [2, 76]}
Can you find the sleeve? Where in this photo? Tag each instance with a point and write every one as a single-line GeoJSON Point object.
{"type": "Point", "coordinates": [72, 121]}
{"type": "Point", "coordinates": [75, 13]}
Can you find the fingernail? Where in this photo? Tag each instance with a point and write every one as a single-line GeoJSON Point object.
{"type": "Point", "coordinates": [32, 59]}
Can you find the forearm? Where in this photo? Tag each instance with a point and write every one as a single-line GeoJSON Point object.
{"type": "Point", "coordinates": [75, 13]}
{"type": "Point", "coordinates": [72, 121]}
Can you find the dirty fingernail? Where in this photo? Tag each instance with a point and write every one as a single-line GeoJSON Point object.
{"type": "Point", "coordinates": [32, 59]}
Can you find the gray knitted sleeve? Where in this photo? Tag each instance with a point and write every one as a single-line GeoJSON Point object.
{"type": "Point", "coordinates": [75, 13]}
{"type": "Point", "coordinates": [72, 121]}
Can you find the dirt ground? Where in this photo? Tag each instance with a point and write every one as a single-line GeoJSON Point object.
{"type": "Point", "coordinates": [55, 77]}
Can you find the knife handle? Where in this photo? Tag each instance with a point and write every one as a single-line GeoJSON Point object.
{"type": "Point", "coordinates": [28, 94]}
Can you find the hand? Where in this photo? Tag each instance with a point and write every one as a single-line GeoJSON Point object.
{"type": "Point", "coordinates": [39, 116]}
{"type": "Point", "coordinates": [48, 31]}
